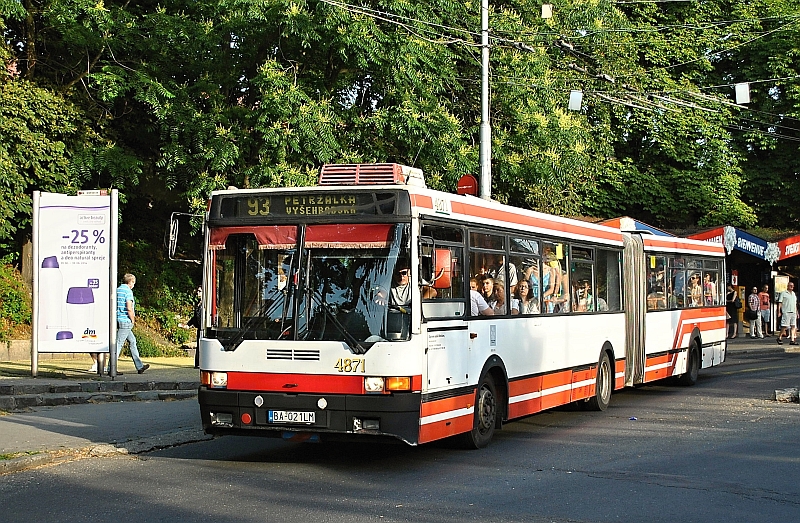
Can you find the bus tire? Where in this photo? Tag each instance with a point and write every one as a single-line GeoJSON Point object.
{"type": "Point", "coordinates": [604, 383]}
{"type": "Point", "coordinates": [689, 377]}
{"type": "Point", "coordinates": [485, 417]}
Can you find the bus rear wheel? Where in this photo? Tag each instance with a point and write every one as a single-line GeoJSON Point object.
{"type": "Point", "coordinates": [603, 385]}
{"type": "Point", "coordinates": [485, 417]}
{"type": "Point", "coordinates": [689, 377]}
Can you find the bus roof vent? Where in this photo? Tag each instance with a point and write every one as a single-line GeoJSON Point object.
{"type": "Point", "coordinates": [370, 174]}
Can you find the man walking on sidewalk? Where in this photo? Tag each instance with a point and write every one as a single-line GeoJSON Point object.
{"type": "Point", "coordinates": [787, 310]}
{"type": "Point", "coordinates": [125, 319]}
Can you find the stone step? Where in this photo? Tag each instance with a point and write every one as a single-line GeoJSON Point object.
{"type": "Point", "coordinates": [788, 395]}
{"type": "Point", "coordinates": [15, 397]}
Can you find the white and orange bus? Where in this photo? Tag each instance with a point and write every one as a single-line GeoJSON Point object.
{"type": "Point", "coordinates": [348, 309]}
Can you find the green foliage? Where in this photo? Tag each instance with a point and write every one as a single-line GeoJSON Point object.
{"type": "Point", "coordinates": [15, 302]}
{"type": "Point", "coordinates": [257, 94]}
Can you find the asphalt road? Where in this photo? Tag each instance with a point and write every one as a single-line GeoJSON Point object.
{"type": "Point", "coordinates": [719, 451]}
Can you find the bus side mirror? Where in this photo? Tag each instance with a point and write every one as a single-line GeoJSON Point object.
{"type": "Point", "coordinates": [442, 267]}
{"type": "Point", "coordinates": [172, 240]}
{"type": "Point", "coordinates": [172, 237]}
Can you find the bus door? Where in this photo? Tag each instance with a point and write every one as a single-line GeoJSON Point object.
{"type": "Point", "coordinates": [447, 353]}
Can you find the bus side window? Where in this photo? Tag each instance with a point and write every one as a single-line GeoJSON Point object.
{"type": "Point", "coordinates": [656, 283]}
{"type": "Point", "coordinates": [608, 292]}
{"type": "Point", "coordinates": [442, 283]}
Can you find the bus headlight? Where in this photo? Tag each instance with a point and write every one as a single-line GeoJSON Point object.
{"type": "Point", "coordinates": [373, 384]}
{"type": "Point", "coordinates": [214, 380]}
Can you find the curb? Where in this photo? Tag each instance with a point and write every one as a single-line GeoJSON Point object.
{"type": "Point", "coordinates": [100, 450]}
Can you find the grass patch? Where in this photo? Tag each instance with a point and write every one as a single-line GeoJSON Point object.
{"type": "Point", "coordinates": [12, 455]}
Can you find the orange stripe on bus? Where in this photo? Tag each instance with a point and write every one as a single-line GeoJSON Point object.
{"type": "Point", "coordinates": [543, 223]}
{"type": "Point", "coordinates": [688, 321]}
{"type": "Point", "coordinates": [619, 368]}
{"type": "Point", "coordinates": [671, 361]}
{"type": "Point", "coordinates": [605, 233]}
{"type": "Point", "coordinates": [445, 405]}
{"type": "Point", "coordinates": [445, 428]}
{"type": "Point", "coordinates": [680, 244]}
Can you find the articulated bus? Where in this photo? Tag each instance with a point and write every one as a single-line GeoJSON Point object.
{"type": "Point", "coordinates": [370, 305]}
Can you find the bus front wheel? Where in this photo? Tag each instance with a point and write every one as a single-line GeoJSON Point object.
{"type": "Point", "coordinates": [485, 417]}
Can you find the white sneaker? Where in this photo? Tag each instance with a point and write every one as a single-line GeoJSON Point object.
{"type": "Point", "coordinates": [93, 368]}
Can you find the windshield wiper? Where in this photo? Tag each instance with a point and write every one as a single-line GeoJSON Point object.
{"type": "Point", "coordinates": [358, 347]}
{"type": "Point", "coordinates": [292, 286]}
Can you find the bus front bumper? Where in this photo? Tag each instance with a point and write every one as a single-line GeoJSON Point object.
{"type": "Point", "coordinates": [273, 414]}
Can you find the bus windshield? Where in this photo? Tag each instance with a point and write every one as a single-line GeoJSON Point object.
{"type": "Point", "coordinates": [338, 287]}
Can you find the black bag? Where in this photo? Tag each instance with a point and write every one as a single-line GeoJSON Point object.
{"type": "Point", "coordinates": [737, 303]}
{"type": "Point", "coordinates": [750, 314]}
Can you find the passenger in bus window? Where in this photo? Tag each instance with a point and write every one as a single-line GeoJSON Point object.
{"type": "Point", "coordinates": [656, 281]}
{"type": "Point", "coordinates": [695, 291]}
{"type": "Point", "coordinates": [525, 302]}
{"type": "Point", "coordinates": [503, 269]}
{"type": "Point", "coordinates": [473, 284]}
{"type": "Point", "coordinates": [478, 305]}
{"type": "Point", "coordinates": [583, 297]}
{"type": "Point", "coordinates": [709, 290]}
{"type": "Point", "coordinates": [551, 283]}
{"type": "Point", "coordinates": [656, 301]}
{"type": "Point", "coordinates": [487, 289]}
{"type": "Point", "coordinates": [499, 304]}
{"type": "Point", "coordinates": [486, 264]}
{"type": "Point", "coordinates": [601, 304]}
{"type": "Point", "coordinates": [561, 298]}
{"type": "Point", "coordinates": [530, 273]}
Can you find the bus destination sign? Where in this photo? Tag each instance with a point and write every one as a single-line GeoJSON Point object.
{"type": "Point", "coordinates": [306, 205]}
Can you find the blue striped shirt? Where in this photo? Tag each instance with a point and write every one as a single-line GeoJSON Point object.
{"type": "Point", "coordinates": [124, 295]}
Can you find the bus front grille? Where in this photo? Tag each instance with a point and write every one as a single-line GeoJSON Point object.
{"type": "Point", "coordinates": [293, 354]}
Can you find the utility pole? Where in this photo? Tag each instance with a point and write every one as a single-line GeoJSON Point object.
{"type": "Point", "coordinates": [486, 129]}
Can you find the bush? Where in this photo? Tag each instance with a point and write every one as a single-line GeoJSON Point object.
{"type": "Point", "coordinates": [15, 302]}
{"type": "Point", "coordinates": [151, 345]}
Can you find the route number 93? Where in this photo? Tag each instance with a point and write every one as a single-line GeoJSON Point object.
{"type": "Point", "coordinates": [350, 365]}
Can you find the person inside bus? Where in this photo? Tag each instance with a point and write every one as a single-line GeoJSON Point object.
{"type": "Point", "coordinates": [583, 297]}
{"type": "Point", "coordinates": [560, 300]}
{"type": "Point", "coordinates": [473, 284]}
{"type": "Point", "coordinates": [487, 289]}
{"type": "Point", "coordinates": [400, 293]}
{"type": "Point", "coordinates": [524, 302]}
{"type": "Point", "coordinates": [709, 290]}
{"type": "Point", "coordinates": [530, 272]}
{"type": "Point", "coordinates": [499, 305]}
{"type": "Point", "coordinates": [503, 269]}
{"type": "Point", "coordinates": [695, 292]}
{"type": "Point", "coordinates": [551, 282]}
{"type": "Point", "coordinates": [478, 305]}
